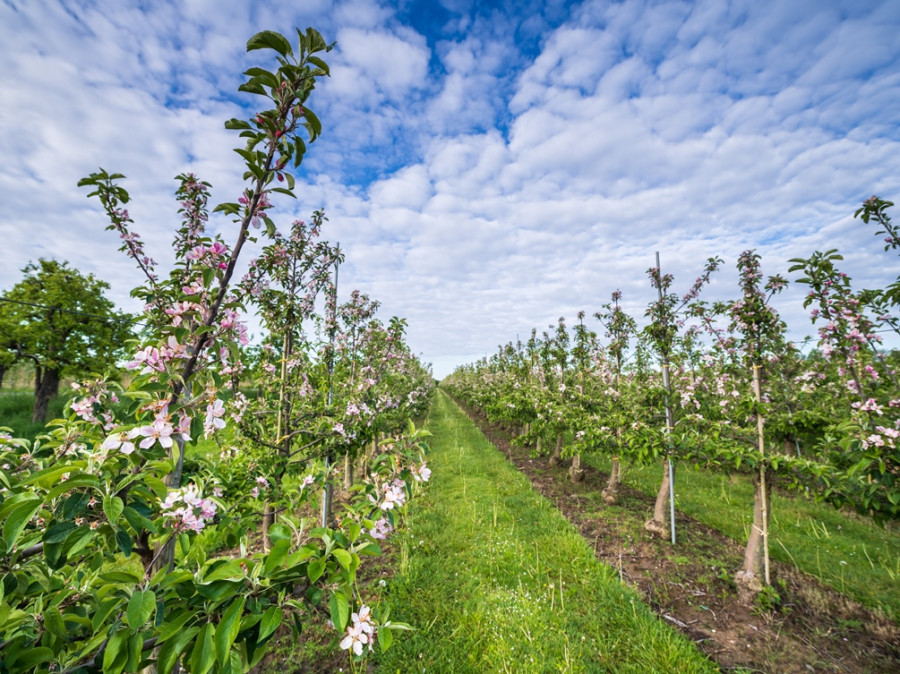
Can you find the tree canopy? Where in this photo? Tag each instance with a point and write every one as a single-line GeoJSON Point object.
{"type": "Point", "coordinates": [61, 320]}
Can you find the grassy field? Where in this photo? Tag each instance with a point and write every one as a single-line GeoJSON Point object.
{"type": "Point", "coordinates": [496, 580]}
{"type": "Point", "coordinates": [847, 552]}
{"type": "Point", "coordinates": [15, 413]}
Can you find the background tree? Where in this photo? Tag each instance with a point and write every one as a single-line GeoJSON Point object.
{"type": "Point", "coordinates": [60, 319]}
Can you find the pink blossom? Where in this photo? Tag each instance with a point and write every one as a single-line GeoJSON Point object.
{"type": "Point", "coordinates": [160, 430]}
{"type": "Point", "coordinates": [381, 529]}
{"type": "Point", "coordinates": [215, 410]}
{"type": "Point", "coordinates": [120, 441]}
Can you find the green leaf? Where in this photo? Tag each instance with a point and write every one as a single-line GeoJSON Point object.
{"type": "Point", "coordinates": [103, 612]}
{"type": "Point", "coordinates": [168, 654]}
{"type": "Point", "coordinates": [174, 624]}
{"type": "Point", "coordinates": [138, 521]}
{"type": "Point", "coordinates": [156, 485]}
{"type": "Point", "coordinates": [49, 476]}
{"type": "Point", "coordinates": [340, 611]}
{"type": "Point", "coordinates": [74, 482]}
{"type": "Point", "coordinates": [53, 621]}
{"type": "Point", "coordinates": [30, 659]}
{"type": "Point", "coordinates": [58, 532]}
{"type": "Point", "coordinates": [204, 655]}
{"type": "Point", "coordinates": [228, 208]}
{"type": "Point", "coordinates": [115, 657]}
{"type": "Point", "coordinates": [123, 540]}
{"type": "Point", "coordinates": [18, 518]}
{"type": "Point", "coordinates": [113, 507]}
{"type": "Point", "coordinates": [314, 126]}
{"type": "Point", "coordinates": [79, 540]}
{"type": "Point", "coordinates": [319, 63]}
{"type": "Point", "coordinates": [228, 629]}
{"type": "Point", "coordinates": [385, 639]}
{"type": "Point", "coordinates": [223, 570]}
{"type": "Point", "coordinates": [271, 40]}
{"type": "Point", "coordinates": [276, 557]}
{"type": "Point", "coordinates": [270, 621]}
{"type": "Point", "coordinates": [135, 649]}
{"type": "Point", "coordinates": [263, 76]}
{"type": "Point", "coordinates": [344, 558]}
{"type": "Point", "coordinates": [372, 549]}
{"type": "Point", "coordinates": [75, 505]}
{"type": "Point", "coordinates": [315, 570]}
{"type": "Point", "coordinates": [140, 608]}
{"type": "Point", "coordinates": [219, 590]}
{"type": "Point", "coordinates": [279, 531]}
{"type": "Point", "coordinates": [237, 124]}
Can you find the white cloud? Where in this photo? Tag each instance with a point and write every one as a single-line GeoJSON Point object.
{"type": "Point", "coordinates": [477, 188]}
{"type": "Point", "coordinates": [390, 63]}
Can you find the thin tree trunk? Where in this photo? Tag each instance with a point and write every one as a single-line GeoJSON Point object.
{"type": "Point", "coordinates": [576, 473]}
{"type": "Point", "coordinates": [348, 471]}
{"type": "Point", "coordinates": [166, 559]}
{"type": "Point", "coordinates": [46, 386]}
{"type": "Point", "coordinates": [556, 457]}
{"type": "Point", "coordinates": [751, 578]}
{"type": "Point", "coordinates": [657, 523]}
{"type": "Point", "coordinates": [610, 495]}
{"type": "Point", "coordinates": [756, 554]}
{"type": "Point", "coordinates": [268, 519]}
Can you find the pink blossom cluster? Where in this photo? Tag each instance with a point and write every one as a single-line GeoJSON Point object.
{"type": "Point", "coordinates": [381, 529]}
{"type": "Point", "coordinates": [261, 483]}
{"type": "Point", "coordinates": [153, 359]}
{"type": "Point", "coordinates": [177, 311]}
{"type": "Point", "coordinates": [215, 410]}
{"type": "Point", "coordinates": [393, 495]}
{"type": "Point", "coordinates": [360, 632]}
{"type": "Point", "coordinates": [421, 473]}
{"type": "Point", "coordinates": [868, 406]}
{"type": "Point", "coordinates": [187, 510]}
{"type": "Point", "coordinates": [883, 437]}
{"type": "Point", "coordinates": [212, 255]}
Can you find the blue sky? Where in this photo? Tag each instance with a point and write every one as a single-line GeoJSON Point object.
{"type": "Point", "coordinates": [487, 167]}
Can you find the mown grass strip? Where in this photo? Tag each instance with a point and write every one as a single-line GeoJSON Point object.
{"type": "Point", "coordinates": [850, 553]}
{"type": "Point", "coordinates": [496, 580]}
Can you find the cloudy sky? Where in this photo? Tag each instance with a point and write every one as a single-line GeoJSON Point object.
{"type": "Point", "coordinates": [486, 166]}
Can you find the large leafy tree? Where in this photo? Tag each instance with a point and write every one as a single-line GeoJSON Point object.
{"type": "Point", "coordinates": [60, 320]}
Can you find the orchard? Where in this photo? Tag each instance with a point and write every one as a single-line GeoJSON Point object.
{"type": "Point", "coordinates": [204, 499]}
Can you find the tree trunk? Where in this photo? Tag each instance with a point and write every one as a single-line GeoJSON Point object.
{"type": "Point", "coordinates": [2, 374]}
{"type": "Point", "coordinates": [610, 495]}
{"type": "Point", "coordinates": [658, 523]}
{"type": "Point", "coordinates": [348, 472]}
{"type": "Point", "coordinates": [750, 579]}
{"type": "Point", "coordinates": [576, 473]}
{"type": "Point", "coordinates": [756, 554]}
{"type": "Point", "coordinates": [268, 519]}
{"type": "Point", "coordinates": [166, 558]}
{"type": "Point", "coordinates": [46, 386]}
{"type": "Point", "coordinates": [556, 457]}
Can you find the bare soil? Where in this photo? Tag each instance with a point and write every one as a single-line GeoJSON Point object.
{"type": "Point", "coordinates": [813, 628]}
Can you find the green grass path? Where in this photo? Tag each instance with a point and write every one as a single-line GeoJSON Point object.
{"type": "Point", "coordinates": [496, 580]}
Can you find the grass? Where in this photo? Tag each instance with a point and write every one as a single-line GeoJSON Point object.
{"type": "Point", "coordinates": [496, 580]}
{"type": "Point", "coordinates": [15, 413]}
{"type": "Point", "coordinates": [847, 552]}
